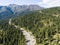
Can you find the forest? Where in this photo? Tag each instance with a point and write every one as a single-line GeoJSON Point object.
{"type": "Point", "coordinates": [9, 35]}
{"type": "Point", "coordinates": [44, 24]}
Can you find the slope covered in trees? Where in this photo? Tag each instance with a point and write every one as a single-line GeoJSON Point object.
{"type": "Point", "coordinates": [9, 35]}
{"type": "Point", "coordinates": [44, 24]}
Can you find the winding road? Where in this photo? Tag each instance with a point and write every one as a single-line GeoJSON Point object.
{"type": "Point", "coordinates": [30, 39]}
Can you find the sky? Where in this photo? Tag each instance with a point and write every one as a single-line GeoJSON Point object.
{"type": "Point", "coordinates": [43, 3]}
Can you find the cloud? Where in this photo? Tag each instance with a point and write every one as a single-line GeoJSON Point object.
{"type": "Point", "coordinates": [49, 3]}
{"type": "Point", "coordinates": [45, 1]}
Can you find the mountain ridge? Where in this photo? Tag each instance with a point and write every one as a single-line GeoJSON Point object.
{"type": "Point", "coordinates": [14, 10]}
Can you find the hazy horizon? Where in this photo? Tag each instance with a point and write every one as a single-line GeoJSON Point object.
{"type": "Point", "coordinates": [43, 3]}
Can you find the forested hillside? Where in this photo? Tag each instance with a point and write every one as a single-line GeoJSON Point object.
{"type": "Point", "coordinates": [9, 35]}
{"type": "Point", "coordinates": [44, 24]}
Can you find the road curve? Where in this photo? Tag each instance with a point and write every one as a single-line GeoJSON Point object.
{"type": "Point", "coordinates": [30, 39]}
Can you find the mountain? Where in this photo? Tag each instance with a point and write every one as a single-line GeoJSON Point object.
{"type": "Point", "coordinates": [20, 8]}
{"type": "Point", "coordinates": [14, 10]}
{"type": "Point", "coordinates": [5, 12]}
